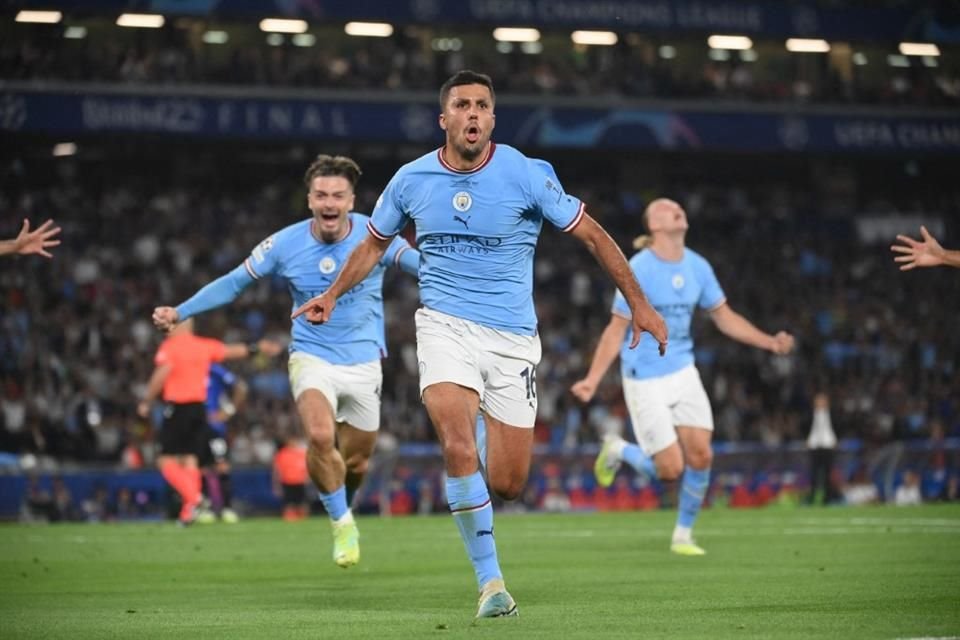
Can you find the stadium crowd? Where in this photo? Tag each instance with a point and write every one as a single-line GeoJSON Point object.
{"type": "Point", "coordinates": [409, 61]}
{"type": "Point", "coordinates": [76, 341]}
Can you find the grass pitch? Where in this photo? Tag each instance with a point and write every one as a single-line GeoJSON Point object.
{"type": "Point", "coordinates": [805, 573]}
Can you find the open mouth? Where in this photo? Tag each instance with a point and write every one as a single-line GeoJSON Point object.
{"type": "Point", "coordinates": [473, 134]}
{"type": "Point", "coordinates": [329, 217]}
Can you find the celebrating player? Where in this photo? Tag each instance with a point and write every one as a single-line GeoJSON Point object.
{"type": "Point", "coordinates": [665, 396]}
{"type": "Point", "coordinates": [478, 208]}
{"type": "Point", "coordinates": [334, 369]}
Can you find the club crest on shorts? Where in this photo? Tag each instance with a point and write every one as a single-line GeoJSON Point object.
{"type": "Point", "coordinates": [677, 281]}
{"type": "Point", "coordinates": [328, 265]}
{"type": "Point", "coordinates": [462, 201]}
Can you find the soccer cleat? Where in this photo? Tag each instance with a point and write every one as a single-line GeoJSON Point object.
{"type": "Point", "coordinates": [605, 468]}
{"type": "Point", "coordinates": [229, 516]}
{"type": "Point", "coordinates": [203, 515]}
{"type": "Point", "coordinates": [495, 602]}
{"type": "Point", "coordinates": [688, 548]}
{"type": "Point", "coordinates": [346, 543]}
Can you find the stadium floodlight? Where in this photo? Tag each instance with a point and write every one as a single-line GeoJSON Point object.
{"type": "Point", "coordinates": [598, 38]}
{"type": "Point", "coordinates": [919, 49]}
{"type": "Point", "coordinates": [64, 149]}
{"type": "Point", "coordinates": [807, 45]}
{"type": "Point", "coordinates": [215, 36]}
{"type": "Point", "coordinates": [283, 25]}
{"type": "Point", "coordinates": [516, 34]}
{"type": "Point", "coordinates": [304, 40]}
{"type": "Point", "coordinates": [736, 43]}
{"type": "Point", "coordinates": [75, 32]}
{"type": "Point", "coordinates": [668, 52]}
{"type": "Point", "coordinates": [141, 20]}
{"type": "Point", "coordinates": [42, 17]}
{"type": "Point", "coordinates": [369, 29]}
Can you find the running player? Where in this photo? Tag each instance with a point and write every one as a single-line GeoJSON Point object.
{"type": "Point", "coordinates": [665, 396]}
{"type": "Point", "coordinates": [335, 369]}
{"type": "Point", "coordinates": [478, 208]}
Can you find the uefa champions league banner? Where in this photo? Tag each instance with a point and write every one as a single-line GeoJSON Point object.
{"type": "Point", "coordinates": [526, 126]}
{"type": "Point", "coordinates": [758, 18]}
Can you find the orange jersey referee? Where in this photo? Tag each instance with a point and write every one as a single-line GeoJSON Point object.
{"type": "Point", "coordinates": [180, 378]}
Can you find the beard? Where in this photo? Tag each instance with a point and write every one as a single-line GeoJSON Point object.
{"type": "Point", "coordinates": [467, 150]}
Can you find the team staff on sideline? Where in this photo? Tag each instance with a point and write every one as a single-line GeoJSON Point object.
{"type": "Point", "coordinates": [182, 365]}
{"type": "Point", "coordinates": [925, 253]}
{"type": "Point", "coordinates": [36, 241]}
{"type": "Point", "coordinates": [478, 208]}
{"type": "Point", "coordinates": [335, 369]}
{"type": "Point", "coordinates": [665, 396]}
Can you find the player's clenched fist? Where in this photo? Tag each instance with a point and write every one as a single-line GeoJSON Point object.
{"type": "Point", "coordinates": [165, 318]}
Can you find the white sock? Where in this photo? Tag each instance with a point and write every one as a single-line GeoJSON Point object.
{"type": "Point", "coordinates": [346, 518]}
{"type": "Point", "coordinates": [616, 447]}
{"type": "Point", "coordinates": [682, 534]}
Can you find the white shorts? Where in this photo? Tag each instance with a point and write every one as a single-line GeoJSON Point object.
{"type": "Point", "coordinates": [658, 405]}
{"type": "Point", "coordinates": [353, 390]}
{"type": "Point", "coordinates": [499, 365]}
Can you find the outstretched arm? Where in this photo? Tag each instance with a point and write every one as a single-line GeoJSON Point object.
{"type": "Point", "coordinates": [36, 241]}
{"type": "Point", "coordinates": [361, 261]}
{"type": "Point", "coordinates": [926, 253]}
{"type": "Point", "coordinates": [735, 326]}
{"type": "Point", "coordinates": [221, 291]}
{"type": "Point", "coordinates": [608, 254]}
{"type": "Point", "coordinates": [608, 348]}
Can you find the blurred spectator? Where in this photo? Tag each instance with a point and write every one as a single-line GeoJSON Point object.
{"type": "Point", "coordinates": [821, 442]}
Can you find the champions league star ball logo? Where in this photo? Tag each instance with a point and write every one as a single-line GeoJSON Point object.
{"type": "Point", "coordinates": [677, 281]}
{"type": "Point", "coordinates": [327, 266]}
{"type": "Point", "coordinates": [462, 201]}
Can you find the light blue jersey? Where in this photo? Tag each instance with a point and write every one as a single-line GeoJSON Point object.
{"type": "Point", "coordinates": [355, 333]}
{"type": "Point", "coordinates": [476, 231]}
{"type": "Point", "coordinates": [675, 289]}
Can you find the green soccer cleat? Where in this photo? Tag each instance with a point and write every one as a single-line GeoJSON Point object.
{"type": "Point", "coordinates": [606, 465]}
{"type": "Point", "coordinates": [346, 543]}
{"type": "Point", "coordinates": [229, 516]}
{"type": "Point", "coordinates": [687, 549]}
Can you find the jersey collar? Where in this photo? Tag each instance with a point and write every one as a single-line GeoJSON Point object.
{"type": "Point", "coordinates": [486, 160]}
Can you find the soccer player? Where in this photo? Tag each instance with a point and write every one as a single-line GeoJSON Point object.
{"type": "Point", "coordinates": [335, 369]}
{"type": "Point", "coordinates": [926, 253]}
{"type": "Point", "coordinates": [225, 393]}
{"type": "Point", "coordinates": [478, 208]}
{"type": "Point", "coordinates": [182, 365]}
{"type": "Point", "coordinates": [36, 241]}
{"type": "Point", "coordinates": [669, 408]}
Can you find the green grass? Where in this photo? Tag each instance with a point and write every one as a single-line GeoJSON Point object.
{"type": "Point", "coordinates": [802, 573]}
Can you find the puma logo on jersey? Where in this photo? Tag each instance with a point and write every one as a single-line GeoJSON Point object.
{"type": "Point", "coordinates": [465, 222]}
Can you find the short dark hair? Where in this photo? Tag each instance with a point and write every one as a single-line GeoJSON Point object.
{"type": "Point", "coordinates": [325, 165]}
{"type": "Point", "coordinates": [461, 78]}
